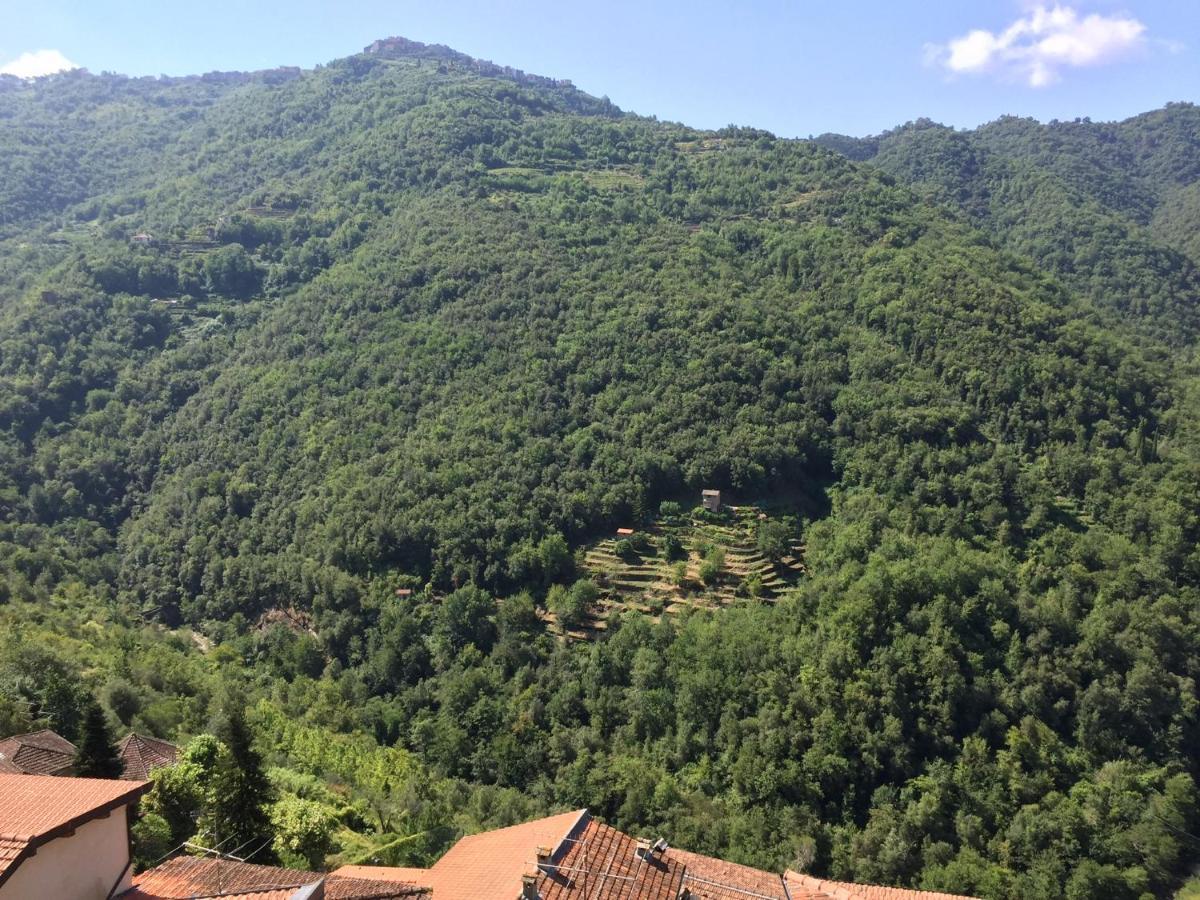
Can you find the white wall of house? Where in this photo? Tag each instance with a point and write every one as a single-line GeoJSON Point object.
{"type": "Point", "coordinates": [81, 866]}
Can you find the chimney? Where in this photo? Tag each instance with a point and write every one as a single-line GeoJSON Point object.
{"type": "Point", "coordinates": [314, 891]}
{"type": "Point", "coordinates": [529, 882]}
{"type": "Point", "coordinates": [647, 849]}
{"type": "Point", "coordinates": [545, 855]}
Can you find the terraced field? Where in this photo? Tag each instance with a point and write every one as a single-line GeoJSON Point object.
{"type": "Point", "coordinates": [649, 582]}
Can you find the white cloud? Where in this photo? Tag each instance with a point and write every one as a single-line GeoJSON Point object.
{"type": "Point", "coordinates": [37, 63]}
{"type": "Point", "coordinates": [1038, 46]}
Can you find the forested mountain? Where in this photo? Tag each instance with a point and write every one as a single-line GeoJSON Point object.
{"type": "Point", "coordinates": [1109, 207]}
{"type": "Point", "coordinates": [276, 345]}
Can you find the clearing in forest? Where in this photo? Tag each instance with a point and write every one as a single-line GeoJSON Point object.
{"type": "Point", "coordinates": [696, 559]}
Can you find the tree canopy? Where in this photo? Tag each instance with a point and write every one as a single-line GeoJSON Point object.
{"type": "Point", "coordinates": [315, 385]}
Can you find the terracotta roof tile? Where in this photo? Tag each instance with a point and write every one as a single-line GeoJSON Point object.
{"type": "Point", "coordinates": [37, 808]}
{"type": "Point", "coordinates": [384, 873]}
{"type": "Point", "coordinates": [487, 865]}
{"type": "Point", "coordinates": [45, 739]}
{"type": "Point", "coordinates": [603, 864]}
{"type": "Point", "coordinates": [38, 753]}
{"type": "Point", "coordinates": [10, 849]}
{"type": "Point", "coordinates": [707, 878]}
{"type": "Point", "coordinates": [188, 877]}
{"type": "Point", "coordinates": [591, 861]}
{"type": "Point", "coordinates": [806, 887]}
{"type": "Point", "coordinates": [141, 755]}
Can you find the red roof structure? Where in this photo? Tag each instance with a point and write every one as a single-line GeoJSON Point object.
{"type": "Point", "coordinates": [189, 877]}
{"type": "Point", "coordinates": [484, 865]}
{"type": "Point", "coordinates": [37, 753]}
{"type": "Point", "coordinates": [574, 857]}
{"type": "Point", "coordinates": [36, 809]}
{"type": "Point", "coordinates": [707, 878]}
{"type": "Point", "coordinates": [141, 755]}
{"type": "Point", "coordinates": [806, 887]}
{"type": "Point", "coordinates": [602, 863]}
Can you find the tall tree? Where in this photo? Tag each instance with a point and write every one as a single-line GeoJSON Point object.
{"type": "Point", "coordinates": [97, 756]}
{"type": "Point", "coordinates": [242, 793]}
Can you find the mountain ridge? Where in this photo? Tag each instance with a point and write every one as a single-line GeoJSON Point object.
{"type": "Point", "coordinates": [377, 350]}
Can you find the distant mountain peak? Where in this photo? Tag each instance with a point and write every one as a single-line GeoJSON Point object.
{"type": "Point", "coordinates": [404, 48]}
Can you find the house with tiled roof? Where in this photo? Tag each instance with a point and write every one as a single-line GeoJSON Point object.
{"type": "Point", "coordinates": [483, 865]}
{"type": "Point", "coordinates": [65, 837]}
{"type": "Point", "coordinates": [37, 753]}
{"type": "Point", "coordinates": [574, 857]}
{"type": "Point", "coordinates": [193, 877]}
{"type": "Point", "coordinates": [706, 878]}
{"type": "Point", "coordinates": [600, 863]}
{"type": "Point", "coordinates": [140, 755]}
{"type": "Point", "coordinates": [70, 838]}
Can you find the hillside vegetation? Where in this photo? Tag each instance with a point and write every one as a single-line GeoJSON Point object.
{"type": "Point", "coordinates": [318, 386]}
{"type": "Point", "coordinates": [1111, 208]}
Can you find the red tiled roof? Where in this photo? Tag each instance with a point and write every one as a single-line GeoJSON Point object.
{"type": "Point", "coordinates": [384, 873]}
{"type": "Point", "coordinates": [141, 755]}
{"type": "Point", "coordinates": [707, 878]}
{"type": "Point", "coordinates": [603, 864]}
{"type": "Point", "coordinates": [39, 808]}
{"type": "Point", "coordinates": [38, 753]}
{"type": "Point", "coordinates": [11, 849]}
{"type": "Point", "coordinates": [485, 865]}
{"type": "Point", "coordinates": [591, 861]}
{"type": "Point", "coordinates": [187, 877]}
{"type": "Point", "coordinates": [806, 887]}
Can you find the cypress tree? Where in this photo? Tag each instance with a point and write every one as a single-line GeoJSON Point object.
{"type": "Point", "coordinates": [97, 755]}
{"type": "Point", "coordinates": [243, 793]}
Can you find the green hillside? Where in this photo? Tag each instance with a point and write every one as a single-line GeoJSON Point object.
{"type": "Point", "coordinates": [1106, 206]}
{"type": "Point", "coordinates": [330, 388]}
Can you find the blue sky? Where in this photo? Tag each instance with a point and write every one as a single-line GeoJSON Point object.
{"type": "Point", "coordinates": [791, 66]}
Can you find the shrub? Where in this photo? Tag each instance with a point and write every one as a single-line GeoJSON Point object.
{"type": "Point", "coordinates": [714, 562]}
{"type": "Point", "coordinates": [672, 547]}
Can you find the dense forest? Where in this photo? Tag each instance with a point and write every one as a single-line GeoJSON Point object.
{"type": "Point", "coordinates": [315, 385]}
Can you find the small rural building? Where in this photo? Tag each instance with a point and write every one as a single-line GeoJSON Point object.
{"type": "Point", "coordinates": [42, 752]}
{"type": "Point", "coordinates": [65, 837]}
{"type": "Point", "coordinates": [231, 879]}
{"type": "Point", "coordinates": [711, 500]}
{"type": "Point", "coordinates": [68, 839]}
{"type": "Point", "coordinates": [624, 532]}
{"type": "Point", "coordinates": [141, 755]}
